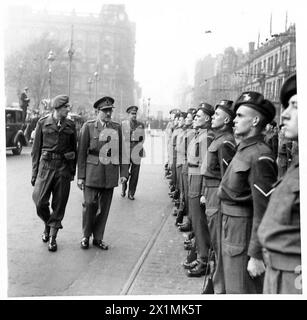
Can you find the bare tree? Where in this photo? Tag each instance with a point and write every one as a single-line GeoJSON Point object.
{"type": "Point", "coordinates": [29, 66]}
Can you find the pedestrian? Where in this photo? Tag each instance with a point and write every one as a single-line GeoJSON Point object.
{"type": "Point", "coordinates": [53, 167]}
{"type": "Point", "coordinates": [244, 193]}
{"type": "Point", "coordinates": [220, 153]}
{"type": "Point", "coordinates": [101, 156]}
{"type": "Point", "coordinates": [279, 231]}
{"type": "Point", "coordinates": [24, 102]}
{"type": "Point", "coordinates": [197, 161]}
{"type": "Point", "coordinates": [134, 137]}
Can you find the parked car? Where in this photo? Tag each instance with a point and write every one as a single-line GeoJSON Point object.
{"type": "Point", "coordinates": [15, 138]}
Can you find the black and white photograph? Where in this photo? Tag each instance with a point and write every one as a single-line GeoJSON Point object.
{"type": "Point", "coordinates": [152, 150]}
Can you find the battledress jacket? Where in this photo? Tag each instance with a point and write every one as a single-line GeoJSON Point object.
{"type": "Point", "coordinates": [247, 185]}
{"type": "Point", "coordinates": [102, 154]}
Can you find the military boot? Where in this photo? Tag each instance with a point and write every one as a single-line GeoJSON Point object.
{"type": "Point", "coordinates": [52, 245]}
{"type": "Point", "coordinates": [45, 235]}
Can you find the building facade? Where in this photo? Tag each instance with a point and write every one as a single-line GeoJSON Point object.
{"type": "Point", "coordinates": [261, 69]}
{"type": "Point", "coordinates": [103, 50]}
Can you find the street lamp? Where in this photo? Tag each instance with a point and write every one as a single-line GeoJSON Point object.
{"type": "Point", "coordinates": [51, 58]}
{"type": "Point", "coordinates": [70, 53]}
{"type": "Point", "coordinates": [148, 106]}
{"type": "Point", "coordinates": [96, 83]}
{"type": "Point", "coordinates": [89, 82]}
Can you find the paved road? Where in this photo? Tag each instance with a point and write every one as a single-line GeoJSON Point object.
{"type": "Point", "coordinates": [71, 271]}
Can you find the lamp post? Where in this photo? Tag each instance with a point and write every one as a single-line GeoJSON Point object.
{"type": "Point", "coordinates": [50, 59]}
{"type": "Point", "coordinates": [148, 107]}
{"type": "Point", "coordinates": [96, 83]}
{"type": "Point", "coordinates": [89, 82]}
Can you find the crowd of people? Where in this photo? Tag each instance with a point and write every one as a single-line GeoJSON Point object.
{"type": "Point", "coordinates": [234, 179]}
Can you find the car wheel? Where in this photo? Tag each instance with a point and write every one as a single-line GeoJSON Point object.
{"type": "Point", "coordinates": [17, 150]}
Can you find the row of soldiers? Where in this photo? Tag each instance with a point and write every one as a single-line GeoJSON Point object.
{"type": "Point", "coordinates": [244, 223]}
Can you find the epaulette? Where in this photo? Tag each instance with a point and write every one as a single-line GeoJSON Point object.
{"type": "Point", "coordinates": [91, 120]}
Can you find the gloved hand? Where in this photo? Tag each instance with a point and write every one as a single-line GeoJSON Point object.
{"type": "Point", "coordinates": [33, 179]}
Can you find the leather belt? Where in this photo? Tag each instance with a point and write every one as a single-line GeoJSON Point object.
{"type": "Point", "coordinates": [94, 152]}
{"type": "Point", "coordinates": [47, 155]}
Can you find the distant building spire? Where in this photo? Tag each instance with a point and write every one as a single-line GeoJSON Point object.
{"type": "Point", "coordinates": [258, 42]}
{"type": "Point", "coordinates": [286, 22]}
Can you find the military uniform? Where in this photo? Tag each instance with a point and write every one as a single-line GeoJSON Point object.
{"type": "Point", "coordinates": [197, 162]}
{"type": "Point", "coordinates": [101, 156]}
{"type": "Point", "coordinates": [244, 192]}
{"type": "Point", "coordinates": [220, 154]}
{"type": "Point", "coordinates": [182, 146]}
{"type": "Point", "coordinates": [100, 174]}
{"type": "Point", "coordinates": [279, 231]}
{"type": "Point", "coordinates": [134, 137]}
{"type": "Point", "coordinates": [53, 168]}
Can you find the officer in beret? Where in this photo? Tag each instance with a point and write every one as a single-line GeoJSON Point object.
{"type": "Point", "coordinates": [244, 193]}
{"type": "Point", "coordinates": [134, 136]}
{"type": "Point", "coordinates": [53, 167]}
{"type": "Point", "coordinates": [197, 160]}
{"type": "Point", "coordinates": [220, 153]}
{"type": "Point", "coordinates": [279, 231]}
{"type": "Point", "coordinates": [101, 159]}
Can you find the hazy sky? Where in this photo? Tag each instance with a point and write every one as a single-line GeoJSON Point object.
{"type": "Point", "coordinates": [170, 35]}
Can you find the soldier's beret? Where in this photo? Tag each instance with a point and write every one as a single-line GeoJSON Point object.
{"type": "Point", "coordinates": [183, 114]}
{"type": "Point", "coordinates": [175, 110]}
{"type": "Point", "coordinates": [132, 108]}
{"type": "Point", "coordinates": [288, 89]}
{"type": "Point", "coordinates": [60, 101]}
{"type": "Point", "coordinates": [191, 110]}
{"type": "Point", "coordinates": [108, 101]}
{"type": "Point", "coordinates": [226, 105]}
{"type": "Point", "coordinates": [256, 101]}
{"type": "Point", "coordinates": [206, 108]}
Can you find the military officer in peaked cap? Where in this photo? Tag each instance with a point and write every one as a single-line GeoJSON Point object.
{"type": "Point", "coordinates": [134, 137]}
{"type": "Point", "coordinates": [279, 231]}
{"type": "Point", "coordinates": [101, 159]}
{"type": "Point", "coordinates": [53, 167]}
{"type": "Point", "coordinates": [244, 192]}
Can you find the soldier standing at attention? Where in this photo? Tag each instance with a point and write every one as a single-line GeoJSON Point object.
{"type": "Point", "coordinates": [279, 231]}
{"type": "Point", "coordinates": [101, 156]}
{"type": "Point", "coordinates": [220, 153]}
{"type": "Point", "coordinates": [244, 192]}
{"type": "Point", "coordinates": [53, 167]}
{"type": "Point", "coordinates": [134, 136]}
{"type": "Point", "coordinates": [197, 162]}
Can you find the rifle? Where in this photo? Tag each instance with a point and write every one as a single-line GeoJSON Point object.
{"type": "Point", "coordinates": [210, 268]}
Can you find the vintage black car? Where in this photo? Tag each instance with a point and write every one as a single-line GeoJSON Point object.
{"type": "Point", "coordinates": [15, 138]}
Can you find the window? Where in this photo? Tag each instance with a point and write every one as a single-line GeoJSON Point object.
{"type": "Point", "coordinates": [264, 65]}
{"type": "Point", "coordinates": [276, 60]}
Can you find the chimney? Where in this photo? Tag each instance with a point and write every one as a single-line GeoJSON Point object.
{"type": "Point", "coordinates": [251, 46]}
